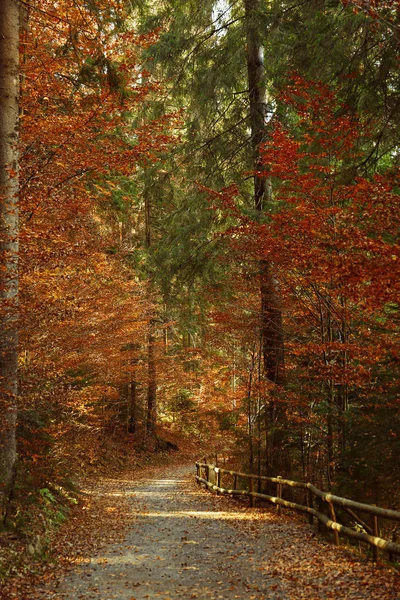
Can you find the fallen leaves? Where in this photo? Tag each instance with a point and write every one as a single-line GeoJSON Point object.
{"type": "Point", "coordinates": [186, 543]}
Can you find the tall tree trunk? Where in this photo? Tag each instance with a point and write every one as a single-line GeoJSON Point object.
{"type": "Point", "coordinates": [9, 194]}
{"type": "Point", "coordinates": [151, 420]}
{"type": "Point", "coordinates": [271, 316]}
{"type": "Point", "coordinates": [152, 382]}
{"type": "Point", "coordinates": [132, 391]}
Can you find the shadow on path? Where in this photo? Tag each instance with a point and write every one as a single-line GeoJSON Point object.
{"type": "Point", "coordinates": [185, 543]}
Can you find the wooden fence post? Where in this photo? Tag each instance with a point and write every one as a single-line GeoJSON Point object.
{"type": "Point", "coordinates": [310, 500]}
{"type": "Point", "coordinates": [279, 494]}
{"type": "Point", "coordinates": [375, 529]}
{"type": "Point", "coordinates": [218, 481]}
{"type": "Point", "coordinates": [320, 506]}
{"type": "Point", "coordinates": [252, 499]}
{"type": "Point", "coordinates": [394, 539]}
{"type": "Point", "coordinates": [333, 517]}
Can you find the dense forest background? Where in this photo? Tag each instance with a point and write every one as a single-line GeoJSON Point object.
{"type": "Point", "coordinates": [208, 238]}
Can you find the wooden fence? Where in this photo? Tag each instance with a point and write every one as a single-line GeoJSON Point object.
{"type": "Point", "coordinates": [211, 476]}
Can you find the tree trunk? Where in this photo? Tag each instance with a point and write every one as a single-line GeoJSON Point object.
{"type": "Point", "coordinates": [151, 419]}
{"type": "Point", "coordinates": [132, 398]}
{"type": "Point", "coordinates": [271, 316]}
{"type": "Point", "coordinates": [152, 382]}
{"type": "Point", "coordinates": [9, 193]}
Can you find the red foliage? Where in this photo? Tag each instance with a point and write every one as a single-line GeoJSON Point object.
{"type": "Point", "coordinates": [332, 237]}
{"type": "Point", "coordinates": [82, 83]}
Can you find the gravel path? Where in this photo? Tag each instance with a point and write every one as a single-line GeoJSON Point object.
{"type": "Point", "coordinates": [186, 543]}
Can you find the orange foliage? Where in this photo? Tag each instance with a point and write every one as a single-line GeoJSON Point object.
{"type": "Point", "coordinates": [82, 82]}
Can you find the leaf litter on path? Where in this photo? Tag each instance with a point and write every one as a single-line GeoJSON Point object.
{"type": "Point", "coordinates": [175, 540]}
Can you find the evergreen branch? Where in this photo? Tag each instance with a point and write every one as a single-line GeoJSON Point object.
{"type": "Point", "coordinates": [359, 4]}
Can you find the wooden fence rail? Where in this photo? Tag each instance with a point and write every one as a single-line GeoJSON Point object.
{"type": "Point", "coordinates": [211, 476]}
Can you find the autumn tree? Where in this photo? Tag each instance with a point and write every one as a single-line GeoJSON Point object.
{"type": "Point", "coordinates": [335, 247]}
{"type": "Point", "coordinates": [81, 304]}
{"type": "Point", "coordinates": [359, 56]}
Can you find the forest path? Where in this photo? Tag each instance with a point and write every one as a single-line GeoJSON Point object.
{"type": "Point", "coordinates": [186, 543]}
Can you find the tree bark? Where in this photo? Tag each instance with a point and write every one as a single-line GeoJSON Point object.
{"type": "Point", "coordinates": [9, 193]}
{"type": "Point", "coordinates": [132, 392]}
{"type": "Point", "coordinates": [152, 382]}
{"type": "Point", "coordinates": [151, 420]}
{"type": "Point", "coordinates": [271, 315]}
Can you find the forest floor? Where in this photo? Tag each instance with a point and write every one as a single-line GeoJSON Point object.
{"type": "Point", "coordinates": [159, 535]}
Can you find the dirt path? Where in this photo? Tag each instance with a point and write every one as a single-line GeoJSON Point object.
{"type": "Point", "coordinates": [186, 543]}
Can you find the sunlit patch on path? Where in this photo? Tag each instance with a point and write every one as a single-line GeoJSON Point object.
{"type": "Point", "coordinates": [186, 543]}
